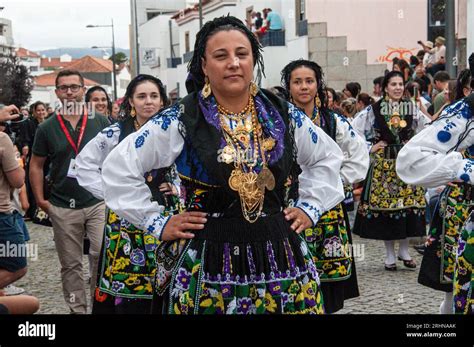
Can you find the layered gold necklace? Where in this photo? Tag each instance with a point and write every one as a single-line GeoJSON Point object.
{"type": "Point", "coordinates": [238, 151]}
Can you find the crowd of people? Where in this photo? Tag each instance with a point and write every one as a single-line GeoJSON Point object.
{"type": "Point", "coordinates": [237, 199]}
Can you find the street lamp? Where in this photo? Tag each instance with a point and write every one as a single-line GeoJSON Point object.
{"type": "Point", "coordinates": [113, 52]}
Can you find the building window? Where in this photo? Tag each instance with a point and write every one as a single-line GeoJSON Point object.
{"type": "Point", "coordinates": [186, 42]}
{"type": "Point", "coordinates": [300, 18]}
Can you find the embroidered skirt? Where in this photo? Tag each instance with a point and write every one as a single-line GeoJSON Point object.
{"type": "Point", "coordinates": [463, 275]}
{"type": "Point", "coordinates": [234, 267]}
{"type": "Point", "coordinates": [389, 209]}
{"type": "Point", "coordinates": [127, 267]}
{"type": "Point", "coordinates": [452, 210]}
{"type": "Point", "coordinates": [330, 244]}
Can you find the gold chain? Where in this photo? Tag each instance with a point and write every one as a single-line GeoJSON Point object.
{"type": "Point", "coordinates": [250, 185]}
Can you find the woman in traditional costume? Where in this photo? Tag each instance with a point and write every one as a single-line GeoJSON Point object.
{"type": "Point", "coordinates": [234, 146]}
{"type": "Point", "coordinates": [127, 265]}
{"type": "Point", "coordinates": [390, 209]}
{"type": "Point", "coordinates": [439, 155]}
{"type": "Point", "coordinates": [330, 241]}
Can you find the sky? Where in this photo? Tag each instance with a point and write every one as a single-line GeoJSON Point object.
{"type": "Point", "coordinates": [45, 24]}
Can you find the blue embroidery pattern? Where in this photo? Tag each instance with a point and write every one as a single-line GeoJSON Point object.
{"type": "Point", "coordinates": [157, 225]}
{"type": "Point", "coordinates": [141, 139]}
{"type": "Point", "coordinates": [297, 115]}
{"type": "Point", "coordinates": [466, 177]}
{"type": "Point", "coordinates": [102, 145]}
{"type": "Point", "coordinates": [110, 133]}
{"type": "Point", "coordinates": [309, 209]}
{"type": "Point", "coordinates": [314, 136]}
{"type": "Point", "coordinates": [344, 120]}
{"type": "Point", "coordinates": [165, 117]}
{"type": "Point", "coordinates": [444, 135]}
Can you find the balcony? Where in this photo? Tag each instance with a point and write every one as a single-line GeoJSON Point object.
{"type": "Point", "coordinates": [273, 38]}
{"type": "Point", "coordinates": [173, 62]}
{"type": "Point", "coordinates": [302, 28]}
{"type": "Point", "coordinates": [187, 56]}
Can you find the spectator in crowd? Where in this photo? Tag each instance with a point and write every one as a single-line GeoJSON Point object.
{"type": "Point", "coordinates": [332, 98]}
{"type": "Point", "coordinates": [258, 21]}
{"type": "Point", "coordinates": [363, 101]}
{"type": "Point", "coordinates": [440, 84]}
{"type": "Point", "coordinates": [100, 100]}
{"type": "Point", "coordinates": [352, 89]}
{"type": "Point", "coordinates": [420, 55]}
{"type": "Point", "coordinates": [412, 91]}
{"type": "Point", "coordinates": [404, 68]}
{"type": "Point", "coordinates": [438, 62]}
{"type": "Point", "coordinates": [274, 22]}
{"type": "Point", "coordinates": [414, 62]}
{"type": "Point", "coordinates": [49, 111]}
{"type": "Point", "coordinates": [428, 58]}
{"type": "Point", "coordinates": [420, 73]}
{"type": "Point", "coordinates": [12, 238]}
{"type": "Point", "coordinates": [115, 112]}
{"type": "Point", "coordinates": [378, 92]}
{"type": "Point", "coordinates": [72, 209]}
{"type": "Point", "coordinates": [349, 108]}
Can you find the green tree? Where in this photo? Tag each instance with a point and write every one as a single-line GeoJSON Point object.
{"type": "Point", "coordinates": [119, 58]}
{"type": "Point", "coordinates": [16, 83]}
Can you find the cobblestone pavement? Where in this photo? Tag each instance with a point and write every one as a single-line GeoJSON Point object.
{"type": "Point", "coordinates": [381, 291]}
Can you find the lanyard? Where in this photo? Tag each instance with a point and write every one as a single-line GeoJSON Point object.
{"type": "Point", "coordinates": [68, 135]}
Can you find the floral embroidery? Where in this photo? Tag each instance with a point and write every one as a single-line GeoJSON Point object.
{"type": "Point", "coordinates": [165, 117]}
{"type": "Point", "coordinates": [297, 115]}
{"type": "Point", "coordinates": [314, 136]}
{"type": "Point", "coordinates": [344, 120]}
{"type": "Point", "coordinates": [445, 135]}
{"type": "Point", "coordinates": [157, 225]}
{"type": "Point", "coordinates": [467, 171]}
{"type": "Point", "coordinates": [141, 139]}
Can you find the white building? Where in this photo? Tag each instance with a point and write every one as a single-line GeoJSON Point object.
{"type": "Point", "coordinates": [6, 37]}
{"type": "Point", "coordinates": [143, 11]}
{"type": "Point", "coordinates": [30, 59]}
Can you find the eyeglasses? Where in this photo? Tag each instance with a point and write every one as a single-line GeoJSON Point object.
{"type": "Point", "coordinates": [74, 88]}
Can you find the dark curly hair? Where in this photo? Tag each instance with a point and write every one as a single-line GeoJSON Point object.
{"type": "Point", "coordinates": [318, 72]}
{"type": "Point", "coordinates": [125, 107]}
{"type": "Point", "coordinates": [224, 23]}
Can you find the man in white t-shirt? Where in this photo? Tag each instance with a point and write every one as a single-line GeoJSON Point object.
{"type": "Point", "coordinates": [439, 52]}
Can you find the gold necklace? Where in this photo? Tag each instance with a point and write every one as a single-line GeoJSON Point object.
{"type": "Point", "coordinates": [136, 124]}
{"type": "Point", "coordinates": [242, 115]}
{"type": "Point", "coordinates": [249, 185]}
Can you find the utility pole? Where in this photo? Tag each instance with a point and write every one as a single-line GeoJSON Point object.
{"type": "Point", "coordinates": [451, 59]}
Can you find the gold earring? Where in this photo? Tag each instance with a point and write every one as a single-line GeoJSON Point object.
{"type": "Point", "coordinates": [206, 91]}
{"type": "Point", "coordinates": [253, 89]}
{"type": "Point", "coordinates": [133, 113]}
{"type": "Point", "coordinates": [318, 101]}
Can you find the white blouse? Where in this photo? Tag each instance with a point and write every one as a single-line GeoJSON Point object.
{"type": "Point", "coordinates": [432, 157]}
{"type": "Point", "coordinates": [160, 142]}
{"type": "Point", "coordinates": [91, 158]}
{"type": "Point", "coordinates": [356, 156]}
{"type": "Point", "coordinates": [364, 123]}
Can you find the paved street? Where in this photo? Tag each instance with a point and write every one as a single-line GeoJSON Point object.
{"type": "Point", "coordinates": [381, 291]}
